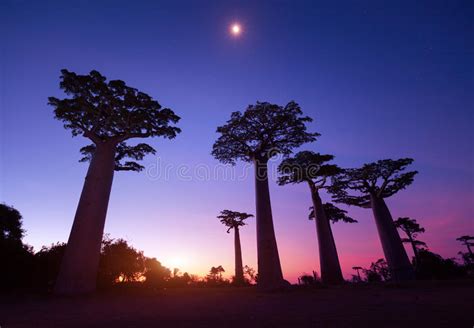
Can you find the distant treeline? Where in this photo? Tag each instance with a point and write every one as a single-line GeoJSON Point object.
{"type": "Point", "coordinates": [123, 265]}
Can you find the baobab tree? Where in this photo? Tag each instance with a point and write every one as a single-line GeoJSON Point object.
{"type": "Point", "coordinates": [315, 170]}
{"type": "Point", "coordinates": [411, 228]}
{"type": "Point", "coordinates": [467, 241]}
{"type": "Point", "coordinates": [262, 131]}
{"type": "Point", "coordinates": [358, 269]}
{"type": "Point", "coordinates": [108, 113]}
{"type": "Point", "coordinates": [370, 185]}
{"type": "Point", "coordinates": [235, 220]}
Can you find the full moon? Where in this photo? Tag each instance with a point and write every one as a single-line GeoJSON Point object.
{"type": "Point", "coordinates": [235, 29]}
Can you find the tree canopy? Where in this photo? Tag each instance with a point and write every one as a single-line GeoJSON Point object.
{"type": "Point", "coordinates": [307, 166]}
{"type": "Point", "coordinates": [10, 224]}
{"type": "Point", "coordinates": [333, 213]}
{"type": "Point", "coordinates": [233, 219]}
{"type": "Point", "coordinates": [411, 229]}
{"type": "Point", "coordinates": [382, 179]}
{"type": "Point", "coordinates": [262, 131]}
{"type": "Point", "coordinates": [110, 111]}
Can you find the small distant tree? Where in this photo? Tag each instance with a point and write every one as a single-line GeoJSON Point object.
{"type": "Point", "coordinates": [306, 279]}
{"type": "Point", "coordinates": [467, 241]}
{"type": "Point", "coordinates": [235, 220]}
{"type": "Point", "coordinates": [411, 228]}
{"type": "Point", "coordinates": [358, 269]}
{"type": "Point", "coordinates": [262, 131]}
{"type": "Point", "coordinates": [314, 170]}
{"type": "Point", "coordinates": [215, 274]}
{"type": "Point", "coordinates": [378, 271]}
{"type": "Point", "coordinates": [109, 114]}
{"type": "Point", "coordinates": [250, 274]}
{"type": "Point", "coordinates": [367, 187]}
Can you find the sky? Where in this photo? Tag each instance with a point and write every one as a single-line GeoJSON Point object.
{"type": "Point", "coordinates": [380, 79]}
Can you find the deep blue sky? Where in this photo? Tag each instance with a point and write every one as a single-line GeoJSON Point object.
{"type": "Point", "coordinates": [381, 79]}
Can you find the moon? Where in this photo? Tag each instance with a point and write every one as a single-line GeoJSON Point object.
{"type": "Point", "coordinates": [235, 29]}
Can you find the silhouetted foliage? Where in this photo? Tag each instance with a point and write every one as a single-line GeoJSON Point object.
{"type": "Point", "coordinates": [156, 275]}
{"type": "Point", "coordinates": [215, 276]}
{"type": "Point", "coordinates": [333, 213]}
{"type": "Point", "coordinates": [119, 262]}
{"type": "Point", "coordinates": [16, 258]}
{"type": "Point", "coordinates": [309, 280]}
{"type": "Point", "coordinates": [250, 274]}
{"type": "Point", "coordinates": [47, 264]}
{"type": "Point", "coordinates": [433, 266]}
{"type": "Point", "coordinates": [411, 228]}
{"type": "Point", "coordinates": [233, 219]}
{"type": "Point", "coordinates": [383, 178]}
{"type": "Point", "coordinates": [358, 277]}
{"type": "Point", "coordinates": [262, 131]}
{"type": "Point", "coordinates": [122, 151]}
{"type": "Point", "coordinates": [307, 166]}
{"type": "Point", "coordinates": [377, 272]}
{"type": "Point", "coordinates": [11, 230]}
{"type": "Point", "coordinates": [112, 111]}
{"type": "Point", "coordinates": [467, 241]}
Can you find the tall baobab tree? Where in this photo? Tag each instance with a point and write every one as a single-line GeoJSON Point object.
{"type": "Point", "coordinates": [411, 228]}
{"type": "Point", "coordinates": [371, 184]}
{"type": "Point", "coordinates": [262, 131]}
{"type": "Point", "coordinates": [313, 169]}
{"type": "Point", "coordinates": [235, 220]}
{"type": "Point", "coordinates": [468, 241]}
{"type": "Point", "coordinates": [108, 113]}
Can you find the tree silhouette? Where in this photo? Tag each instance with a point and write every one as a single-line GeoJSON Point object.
{"type": "Point", "coordinates": [16, 258]}
{"type": "Point", "coordinates": [215, 274]}
{"type": "Point", "coordinates": [371, 184]}
{"type": "Point", "coordinates": [234, 220]}
{"type": "Point", "coordinates": [467, 241]}
{"type": "Point", "coordinates": [47, 264]}
{"type": "Point", "coordinates": [155, 274]}
{"type": "Point", "coordinates": [313, 169]}
{"type": "Point", "coordinates": [411, 228]}
{"type": "Point", "coordinates": [260, 132]}
{"type": "Point", "coordinates": [378, 271]}
{"type": "Point", "coordinates": [109, 113]}
{"type": "Point", "coordinates": [250, 273]}
{"type": "Point", "coordinates": [358, 269]}
{"type": "Point", "coordinates": [120, 262]}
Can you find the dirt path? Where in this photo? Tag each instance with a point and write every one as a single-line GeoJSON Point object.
{"type": "Point", "coordinates": [380, 306]}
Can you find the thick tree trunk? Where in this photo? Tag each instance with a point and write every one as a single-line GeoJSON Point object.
{"type": "Point", "coordinates": [269, 269]}
{"type": "Point", "coordinates": [329, 261]}
{"type": "Point", "coordinates": [395, 254]}
{"type": "Point", "coordinates": [239, 270]}
{"type": "Point", "coordinates": [78, 273]}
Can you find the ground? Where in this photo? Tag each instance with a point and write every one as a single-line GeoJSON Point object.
{"type": "Point", "coordinates": [421, 305]}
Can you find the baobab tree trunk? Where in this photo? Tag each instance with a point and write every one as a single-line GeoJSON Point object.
{"type": "Point", "coordinates": [78, 272]}
{"type": "Point", "coordinates": [395, 254]}
{"type": "Point", "coordinates": [239, 270]}
{"type": "Point", "coordinates": [269, 269]}
{"type": "Point", "coordinates": [329, 261]}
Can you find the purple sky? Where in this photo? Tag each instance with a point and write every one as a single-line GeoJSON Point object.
{"type": "Point", "coordinates": [380, 80]}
